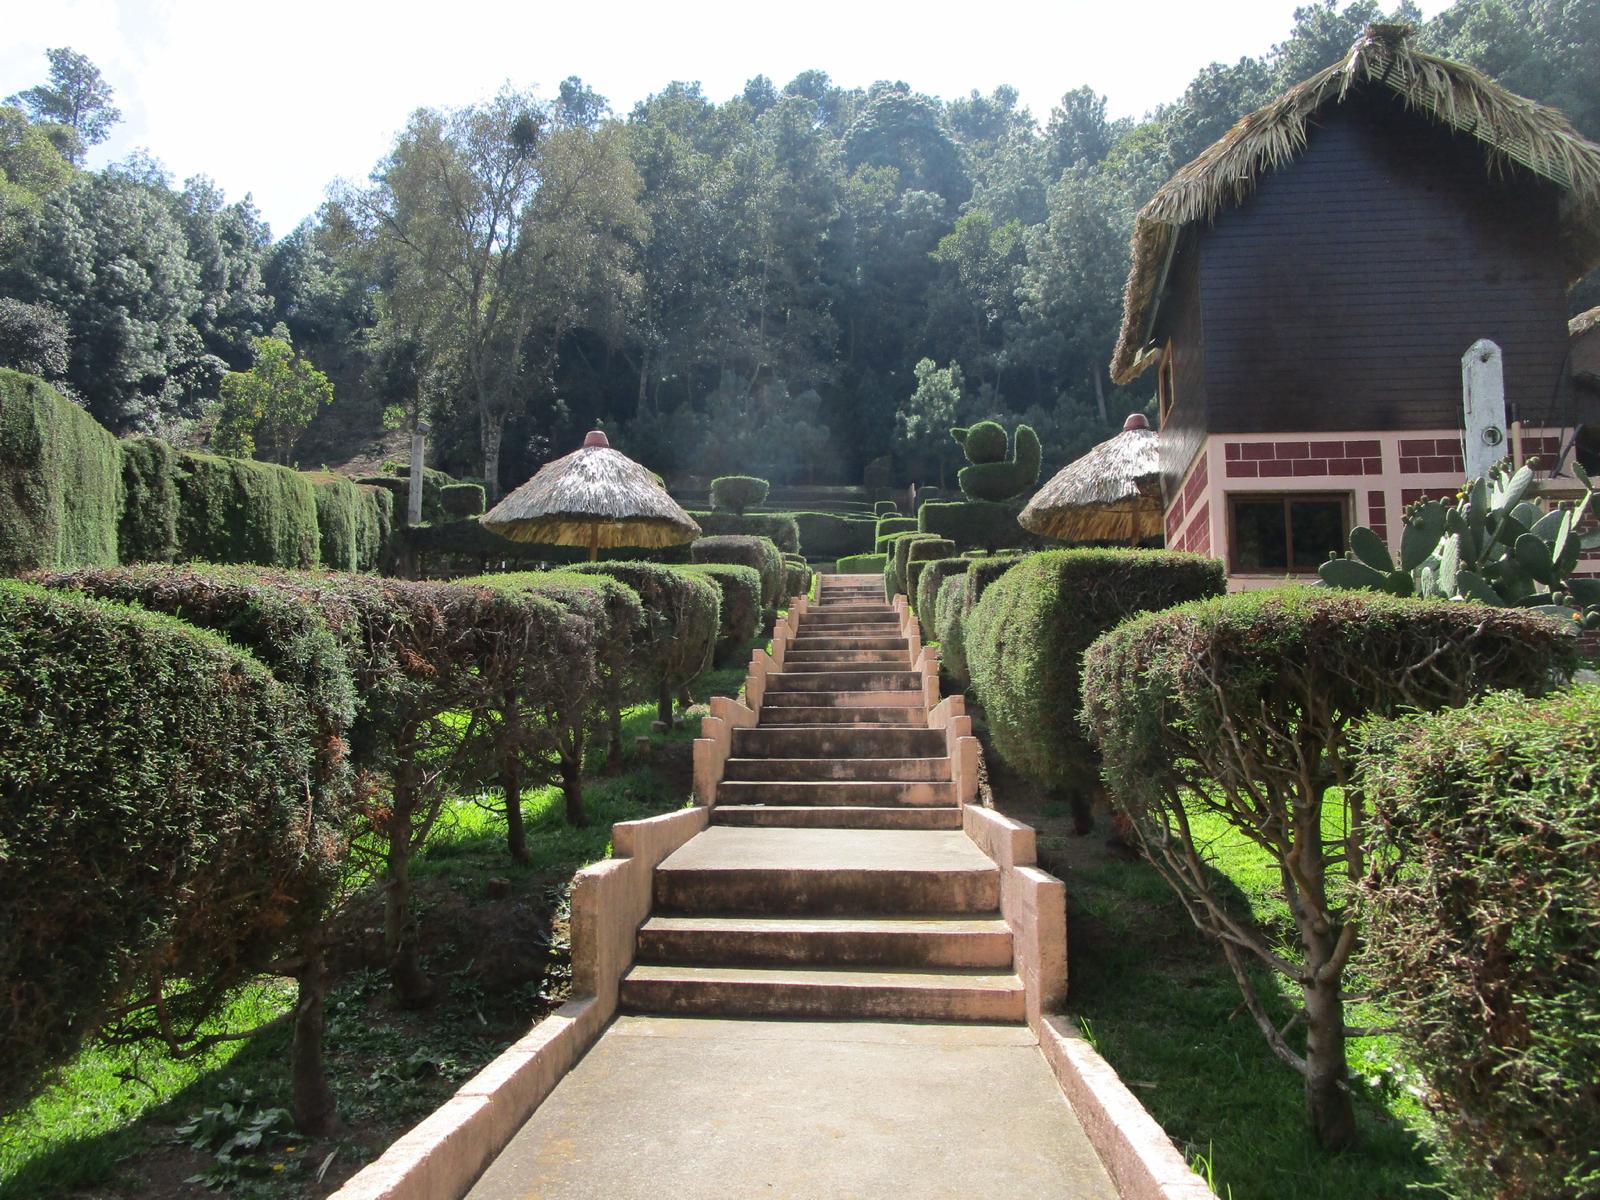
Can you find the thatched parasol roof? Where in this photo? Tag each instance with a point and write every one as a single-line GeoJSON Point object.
{"type": "Point", "coordinates": [595, 497]}
{"type": "Point", "coordinates": [1513, 128]}
{"type": "Point", "coordinates": [1111, 494]}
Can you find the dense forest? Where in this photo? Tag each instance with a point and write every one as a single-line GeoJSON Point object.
{"type": "Point", "coordinates": [790, 283]}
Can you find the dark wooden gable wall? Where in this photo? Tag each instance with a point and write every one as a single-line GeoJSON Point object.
{"type": "Point", "coordinates": [1342, 293]}
{"type": "Point", "coordinates": [1180, 323]}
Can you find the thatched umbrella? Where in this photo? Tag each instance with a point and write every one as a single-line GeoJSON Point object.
{"type": "Point", "coordinates": [595, 497]}
{"type": "Point", "coordinates": [1111, 494]}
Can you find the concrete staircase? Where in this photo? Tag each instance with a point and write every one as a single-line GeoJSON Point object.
{"type": "Point", "coordinates": [835, 879]}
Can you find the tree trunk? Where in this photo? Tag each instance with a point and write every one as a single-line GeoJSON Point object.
{"type": "Point", "coordinates": [311, 1099]}
{"type": "Point", "coordinates": [572, 786]}
{"type": "Point", "coordinates": [643, 404]}
{"type": "Point", "coordinates": [411, 984]}
{"type": "Point", "coordinates": [492, 428]}
{"type": "Point", "coordinates": [685, 700]}
{"type": "Point", "coordinates": [1328, 1100]}
{"type": "Point", "coordinates": [613, 738]}
{"type": "Point", "coordinates": [664, 703]}
{"type": "Point", "coordinates": [511, 784]}
{"type": "Point", "coordinates": [1100, 398]}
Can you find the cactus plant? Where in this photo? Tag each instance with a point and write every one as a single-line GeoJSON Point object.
{"type": "Point", "coordinates": [991, 476]}
{"type": "Point", "coordinates": [1493, 546]}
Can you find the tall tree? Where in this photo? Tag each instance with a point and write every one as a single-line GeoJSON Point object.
{"type": "Point", "coordinates": [77, 97]}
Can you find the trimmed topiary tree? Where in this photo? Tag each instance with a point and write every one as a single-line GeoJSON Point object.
{"type": "Point", "coordinates": [885, 508]}
{"type": "Point", "coordinates": [1482, 924]}
{"type": "Point", "coordinates": [949, 611]}
{"type": "Point", "coordinates": [1246, 707]}
{"type": "Point", "coordinates": [929, 580]}
{"type": "Point", "coordinates": [973, 524]}
{"type": "Point", "coordinates": [896, 550]}
{"type": "Point", "coordinates": [796, 577]}
{"type": "Point", "coordinates": [888, 527]}
{"type": "Point", "coordinates": [990, 476]}
{"type": "Point", "coordinates": [833, 535]}
{"type": "Point", "coordinates": [757, 552]}
{"type": "Point", "coordinates": [737, 493]}
{"type": "Point", "coordinates": [60, 481]}
{"type": "Point", "coordinates": [154, 821]}
{"type": "Point", "coordinates": [679, 634]}
{"type": "Point", "coordinates": [740, 620]}
{"type": "Point", "coordinates": [458, 500]}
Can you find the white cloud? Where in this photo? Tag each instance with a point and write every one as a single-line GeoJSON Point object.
{"type": "Point", "coordinates": [279, 100]}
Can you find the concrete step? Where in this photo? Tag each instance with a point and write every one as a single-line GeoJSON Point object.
{"type": "Point", "coordinates": [844, 667]}
{"type": "Point", "coordinates": [773, 992]}
{"type": "Point", "coordinates": [827, 872]}
{"type": "Point", "coordinates": [865, 618]}
{"type": "Point", "coordinates": [820, 770]}
{"type": "Point", "coordinates": [847, 700]}
{"type": "Point", "coordinates": [974, 943]}
{"type": "Point", "coordinates": [844, 681]}
{"type": "Point", "coordinates": [878, 793]}
{"type": "Point", "coordinates": [899, 657]}
{"type": "Point", "coordinates": [806, 641]}
{"type": "Point", "coordinates": [781, 816]}
{"type": "Point", "coordinates": [885, 715]}
{"type": "Point", "coordinates": [831, 741]}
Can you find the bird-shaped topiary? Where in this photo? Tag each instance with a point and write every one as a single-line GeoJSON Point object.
{"type": "Point", "coordinates": [991, 476]}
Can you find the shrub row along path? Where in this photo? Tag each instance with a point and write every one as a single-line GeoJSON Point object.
{"type": "Point", "coordinates": [824, 1002]}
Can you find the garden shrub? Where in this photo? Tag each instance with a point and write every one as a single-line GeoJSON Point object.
{"type": "Point", "coordinates": [236, 510]}
{"type": "Point", "coordinates": [457, 500]}
{"type": "Point", "coordinates": [339, 514]}
{"type": "Point", "coordinates": [1245, 707]}
{"type": "Point", "coordinates": [756, 552]}
{"type": "Point", "coordinates": [374, 527]}
{"type": "Point", "coordinates": [860, 564]}
{"type": "Point", "coordinates": [1483, 933]}
{"type": "Point", "coordinates": [779, 527]}
{"type": "Point", "coordinates": [984, 571]}
{"type": "Point", "coordinates": [984, 442]}
{"type": "Point", "coordinates": [919, 554]}
{"type": "Point", "coordinates": [434, 483]}
{"type": "Point", "coordinates": [973, 524]}
{"type": "Point", "coordinates": [679, 634]}
{"type": "Point", "coordinates": [885, 508]}
{"type": "Point", "coordinates": [398, 488]}
{"type": "Point", "coordinates": [929, 580]}
{"type": "Point", "coordinates": [148, 529]}
{"type": "Point", "coordinates": [949, 611]}
{"type": "Point", "coordinates": [796, 577]}
{"type": "Point", "coordinates": [834, 535]}
{"type": "Point", "coordinates": [898, 572]}
{"type": "Point", "coordinates": [740, 606]}
{"type": "Point", "coordinates": [60, 481]}
{"type": "Point", "coordinates": [889, 526]}
{"type": "Point", "coordinates": [131, 741]}
{"type": "Point", "coordinates": [1026, 637]}
{"type": "Point", "coordinates": [736, 493]}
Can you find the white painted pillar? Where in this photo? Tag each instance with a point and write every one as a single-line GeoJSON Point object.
{"type": "Point", "coordinates": [1483, 403]}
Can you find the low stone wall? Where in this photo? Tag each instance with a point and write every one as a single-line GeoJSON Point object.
{"type": "Point", "coordinates": [1033, 903]}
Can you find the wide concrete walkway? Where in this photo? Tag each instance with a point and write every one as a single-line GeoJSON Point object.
{"type": "Point", "coordinates": [692, 1108]}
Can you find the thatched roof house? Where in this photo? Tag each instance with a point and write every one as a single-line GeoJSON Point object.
{"type": "Point", "coordinates": [1510, 127]}
{"type": "Point", "coordinates": [1306, 289]}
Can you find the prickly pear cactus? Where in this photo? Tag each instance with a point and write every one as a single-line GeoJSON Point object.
{"type": "Point", "coordinates": [1493, 546]}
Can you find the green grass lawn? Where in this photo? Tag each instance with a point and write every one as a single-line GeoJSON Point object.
{"type": "Point", "coordinates": [114, 1111]}
{"type": "Point", "coordinates": [1160, 1004]}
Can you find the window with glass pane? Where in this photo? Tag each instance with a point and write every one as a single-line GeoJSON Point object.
{"type": "Point", "coordinates": [1285, 534]}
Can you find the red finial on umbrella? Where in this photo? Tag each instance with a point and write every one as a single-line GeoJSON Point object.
{"type": "Point", "coordinates": [1134, 421]}
{"type": "Point", "coordinates": [597, 437]}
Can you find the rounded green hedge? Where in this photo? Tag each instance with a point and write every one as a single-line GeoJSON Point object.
{"type": "Point", "coordinates": [758, 553]}
{"type": "Point", "coordinates": [918, 556]}
{"type": "Point", "coordinates": [236, 510]}
{"type": "Point", "coordinates": [153, 820]}
{"type": "Point", "coordinates": [885, 508]}
{"type": "Point", "coordinates": [949, 611]}
{"type": "Point", "coordinates": [974, 524]}
{"type": "Point", "coordinates": [1025, 641]}
{"type": "Point", "coordinates": [1483, 932]}
{"type": "Point", "coordinates": [797, 576]}
{"type": "Point", "coordinates": [984, 442]}
{"type": "Point", "coordinates": [781, 528]}
{"type": "Point", "coordinates": [459, 500]}
{"type": "Point", "coordinates": [834, 535]}
{"type": "Point", "coordinates": [679, 634]}
{"type": "Point", "coordinates": [889, 526]}
{"type": "Point", "coordinates": [930, 579]}
{"type": "Point", "coordinates": [736, 493]}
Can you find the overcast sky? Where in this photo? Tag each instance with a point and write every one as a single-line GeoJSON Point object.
{"type": "Point", "coordinates": [278, 100]}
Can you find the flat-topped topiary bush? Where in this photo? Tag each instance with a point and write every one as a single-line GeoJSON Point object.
{"type": "Point", "coordinates": [236, 510]}
{"type": "Point", "coordinates": [860, 564]}
{"type": "Point", "coordinates": [930, 579]}
{"type": "Point", "coordinates": [889, 526]}
{"type": "Point", "coordinates": [1246, 707]}
{"type": "Point", "coordinates": [974, 524]}
{"type": "Point", "coordinates": [1482, 923]}
{"type": "Point", "coordinates": [130, 740]}
{"type": "Point", "coordinates": [918, 555]}
{"type": "Point", "coordinates": [738, 493]}
{"type": "Point", "coordinates": [755, 552]}
{"type": "Point", "coordinates": [459, 500]}
{"type": "Point", "coordinates": [781, 528]}
{"type": "Point", "coordinates": [60, 481]}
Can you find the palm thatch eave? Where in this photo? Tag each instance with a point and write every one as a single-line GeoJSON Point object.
{"type": "Point", "coordinates": [1513, 128]}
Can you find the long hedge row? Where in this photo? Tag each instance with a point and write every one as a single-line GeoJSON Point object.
{"type": "Point", "coordinates": [72, 495]}
{"type": "Point", "coordinates": [353, 707]}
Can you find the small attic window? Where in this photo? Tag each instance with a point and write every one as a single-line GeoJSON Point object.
{"type": "Point", "coordinates": [1166, 397]}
